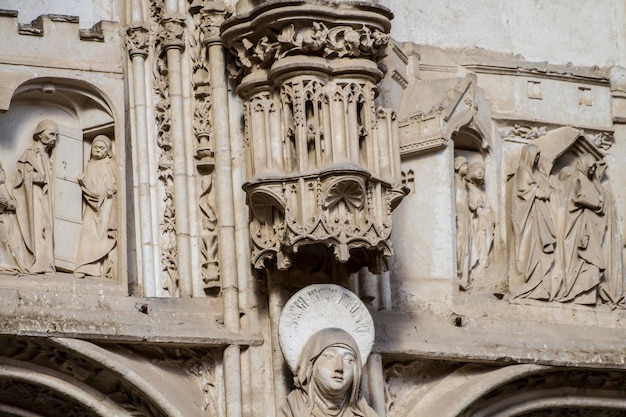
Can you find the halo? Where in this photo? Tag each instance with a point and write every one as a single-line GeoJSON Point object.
{"type": "Point", "coordinates": [320, 306]}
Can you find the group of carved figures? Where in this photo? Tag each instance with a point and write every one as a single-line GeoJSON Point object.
{"type": "Point", "coordinates": [27, 210]}
{"type": "Point", "coordinates": [474, 220]}
{"type": "Point", "coordinates": [567, 247]}
{"type": "Point", "coordinates": [566, 244]}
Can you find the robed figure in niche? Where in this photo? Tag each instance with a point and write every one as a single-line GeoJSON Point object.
{"type": "Point", "coordinates": [533, 226]}
{"type": "Point", "coordinates": [98, 234]}
{"type": "Point", "coordinates": [33, 200]}
{"type": "Point", "coordinates": [590, 256]}
{"type": "Point", "coordinates": [328, 378]}
{"type": "Point", "coordinates": [462, 221]}
{"type": "Point", "coordinates": [482, 225]}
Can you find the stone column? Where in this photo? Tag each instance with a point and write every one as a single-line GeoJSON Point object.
{"type": "Point", "coordinates": [137, 38]}
{"type": "Point", "coordinates": [174, 44]}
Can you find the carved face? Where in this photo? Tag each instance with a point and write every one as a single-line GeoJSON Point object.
{"type": "Point", "coordinates": [479, 173]}
{"type": "Point", "coordinates": [49, 137]}
{"type": "Point", "coordinates": [99, 150]}
{"type": "Point", "coordinates": [463, 170]}
{"type": "Point", "coordinates": [334, 369]}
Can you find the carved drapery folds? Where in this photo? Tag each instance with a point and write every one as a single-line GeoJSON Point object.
{"type": "Point", "coordinates": [564, 222]}
{"type": "Point", "coordinates": [322, 158]}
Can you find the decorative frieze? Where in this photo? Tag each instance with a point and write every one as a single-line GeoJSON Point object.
{"type": "Point", "coordinates": [329, 31]}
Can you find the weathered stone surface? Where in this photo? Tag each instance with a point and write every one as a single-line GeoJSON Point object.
{"type": "Point", "coordinates": [172, 172]}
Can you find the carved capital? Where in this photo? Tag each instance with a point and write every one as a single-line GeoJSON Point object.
{"type": "Point", "coordinates": [173, 32]}
{"type": "Point", "coordinates": [211, 18]}
{"type": "Point", "coordinates": [137, 38]}
{"type": "Point", "coordinates": [276, 31]}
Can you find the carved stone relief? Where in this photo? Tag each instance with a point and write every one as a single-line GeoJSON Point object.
{"type": "Point", "coordinates": [322, 157]}
{"type": "Point", "coordinates": [205, 30]}
{"type": "Point", "coordinates": [555, 393]}
{"type": "Point", "coordinates": [567, 244]}
{"type": "Point", "coordinates": [51, 186]}
{"type": "Point", "coordinates": [475, 221]}
{"type": "Point", "coordinates": [335, 334]}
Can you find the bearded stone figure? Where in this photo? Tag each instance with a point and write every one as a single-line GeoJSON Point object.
{"type": "Point", "coordinates": [328, 378]}
{"type": "Point", "coordinates": [33, 197]}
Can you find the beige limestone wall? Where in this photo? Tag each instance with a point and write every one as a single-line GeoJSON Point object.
{"type": "Point", "coordinates": [591, 33]}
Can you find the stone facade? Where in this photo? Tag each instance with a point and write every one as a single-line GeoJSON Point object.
{"type": "Point", "coordinates": [261, 208]}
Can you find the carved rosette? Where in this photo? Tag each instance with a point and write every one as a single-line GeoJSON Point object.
{"type": "Point", "coordinates": [323, 162]}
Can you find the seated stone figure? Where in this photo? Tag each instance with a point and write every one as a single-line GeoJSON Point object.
{"type": "Point", "coordinates": [328, 378]}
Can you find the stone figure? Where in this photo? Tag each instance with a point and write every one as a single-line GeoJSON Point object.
{"type": "Point", "coordinates": [534, 228]}
{"type": "Point", "coordinates": [34, 201]}
{"type": "Point", "coordinates": [585, 260]}
{"type": "Point", "coordinates": [462, 221]}
{"type": "Point", "coordinates": [98, 234]}
{"type": "Point", "coordinates": [328, 378]}
{"type": "Point", "coordinates": [611, 287]}
{"type": "Point", "coordinates": [482, 225]}
{"type": "Point", "coordinates": [8, 227]}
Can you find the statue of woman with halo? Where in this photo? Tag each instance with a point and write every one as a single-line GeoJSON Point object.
{"type": "Point", "coordinates": [327, 372]}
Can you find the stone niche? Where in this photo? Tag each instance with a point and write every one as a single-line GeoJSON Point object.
{"type": "Point", "coordinates": [63, 176]}
{"type": "Point", "coordinates": [61, 181]}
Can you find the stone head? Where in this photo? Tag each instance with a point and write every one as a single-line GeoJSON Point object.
{"type": "Point", "coordinates": [46, 132]}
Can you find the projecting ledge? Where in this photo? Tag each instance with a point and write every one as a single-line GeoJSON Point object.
{"type": "Point", "coordinates": [458, 337]}
{"type": "Point", "coordinates": [121, 319]}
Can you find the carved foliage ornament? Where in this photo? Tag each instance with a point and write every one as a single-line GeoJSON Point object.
{"type": "Point", "coordinates": [169, 269]}
{"type": "Point", "coordinates": [341, 212]}
{"type": "Point", "coordinates": [315, 39]}
{"type": "Point", "coordinates": [173, 32]}
{"type": "Point", "coordinates": [137, 41]}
